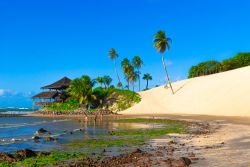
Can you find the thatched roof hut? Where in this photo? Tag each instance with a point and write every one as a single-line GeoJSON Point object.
{"type": "Point", "coordinates": [63, 83]}
{"type": "Point", "coordinates": [46, 95]}
{"type": "Point", "coordinates": [56, 92]}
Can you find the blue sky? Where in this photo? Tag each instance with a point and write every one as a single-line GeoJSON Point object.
{"type": "Point", "coordinates": [44, 40]}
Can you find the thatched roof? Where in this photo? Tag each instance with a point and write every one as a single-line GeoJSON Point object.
{"type": "Point", "coordinates": [46, 95]}
{"type": "Point", "coordinates": [61, 84]}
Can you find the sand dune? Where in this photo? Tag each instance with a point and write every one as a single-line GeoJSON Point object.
{"type": "Point", "coordinates": [226, 94]}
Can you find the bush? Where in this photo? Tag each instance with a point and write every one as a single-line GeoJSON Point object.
{"type": "Point", "coordinates": [212, 66]}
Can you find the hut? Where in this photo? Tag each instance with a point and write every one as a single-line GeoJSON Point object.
{"type": "Point", "coordinates": [55, 92]}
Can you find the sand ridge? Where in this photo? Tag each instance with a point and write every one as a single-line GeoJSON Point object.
{"type": "Point", "coordinates": [226, 93]}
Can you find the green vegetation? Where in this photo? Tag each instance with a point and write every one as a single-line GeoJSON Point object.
{"type": "Point", "coordinates": [53, 158]}
{"type": "Point", "coordinates": [147, 77]}
{"type": "Point", "coordinates": [124, 99]}
{"type": "Point", "coordinates": [212, 66]}
{"type": "Point", "coordinates": [69, 105]}
{"type": "Point", "coordinates": [111, 98]}
{"type": "Point", "coordinates": [161, 44]}
{"type": "Point", "coordinates": [81, 90]}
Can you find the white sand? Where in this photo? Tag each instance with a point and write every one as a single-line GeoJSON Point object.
{"type": "Point", "coordinates": [226, 94]}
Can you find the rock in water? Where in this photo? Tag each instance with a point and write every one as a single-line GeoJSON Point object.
{"type": "Point", "coordinates": [6, 157]}
{"type": "Point", "coordinates": [26, 153]}
{"type": "Point", "coordinates": [50, 139]}
{"type": "Point", "coordinates": [41, 131]}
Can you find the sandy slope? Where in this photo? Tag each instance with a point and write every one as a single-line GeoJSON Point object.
{"type": "Point", "coordinates": [226, 93]}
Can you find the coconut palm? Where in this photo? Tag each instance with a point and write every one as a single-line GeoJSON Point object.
{"type": "Point", "coordinates": [99, 80]}
{"type": "Point", "coordinates": [107, 81]}
{"type": "Point", "coordinates": [133, 76]}
{"type": "Point", "coordinates": [147, 77]}
{"type": "Point", "coordinates": [119, 85]}
{"type": "Point", "coordinates": [126, 68]}
{"type": "Point", "coordinates": [137, 63]}
{"type": "Point", "coordinates": [81, 89]}
{"type": "Point", "coordinates": [161, 44]}
{"type": "Point", "coordinates": [113, 56]}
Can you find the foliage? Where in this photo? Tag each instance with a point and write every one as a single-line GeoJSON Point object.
{"type": "Point", "coordinates": [112, 54]}
{"type": "Point", "coordinates": [147, 77]}
{"type": "Point", "coordinates": [137, 63]}
{"type": "Point", "coordinates": [123, 99]}
{"type": "Point", "coordinates": [44, 160]}
{"type": "Point", "coordinates": [212, 66]}
{"type": "Point", "coordinates": [107, 81]}
{"type": "Point", "coordinates": [99, 80]}
{"type": "Point", "coordinates": [81, 90]}
{"type": "Point", "coordinates": [161, 42]}
{"type": "Point", "coordinates": [69, 105]}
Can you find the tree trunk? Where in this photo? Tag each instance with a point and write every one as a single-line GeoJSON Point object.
{"type": "Point", "coordinates": [117, 73]}
{"type": "Point", "coordinates": [139, 80]}
{"type": "Point", "coordinates": [165, 68]}
{"type": "Point", "coordinates": [133, 84]}
{"type": "Point", "coordinates": [128, 84]}
{"type": "Point", "coordinates": [147, 84]}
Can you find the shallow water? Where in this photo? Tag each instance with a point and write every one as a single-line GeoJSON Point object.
{"type": "Point", "coordinates": [16, 132]}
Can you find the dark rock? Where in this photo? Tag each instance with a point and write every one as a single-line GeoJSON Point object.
{"type": "Point", "coordinates": [186, 160]}
{"type": "Point", "coordinates": [138, 151]}
{"type": "Point", "coordinates": [26, 153]}
{"type": "Point", "coordinates": [35, 137]}
{"type": "Point", "coordinates": [6, 157]}
{"type": "Point", "coordinates": [50, 139]}
{"type": "Point", "coordinates": [41, 131]}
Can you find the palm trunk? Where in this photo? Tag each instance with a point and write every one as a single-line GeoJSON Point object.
{"type": "Point", "coordinates": [117, 73]}
{"type": "Point", "coordinates": [133, 84]}
{"type": "Point", "coordinates": [128, 84]}
{"type": "Point", "coordinates": [147, 84]}
{"type": "Point", "coordinates": [139, 80]}
{"type": "Point", "coordinates": [165, 68]}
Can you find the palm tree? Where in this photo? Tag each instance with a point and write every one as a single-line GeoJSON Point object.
{"type": "Point", "coordinates": [126, 67]}
{"type": "Point", "coordinates": [99, 80]}
{"type": "Point", "coordinates": [119, 85]}
{"type": "Point", "coordinates": [137, 62]}
{"type": "Point", "coordinates": [107, 81]}
{"type": "Point", "coordinates": [147, 77]}
{"type": "Point", "coordinates": [113, 56]}
{"type": "Point", "coordinates": [162, 43]}
{"type": "Point", "coordinates": [81, 89]}
{"type": "Point", "coordinates": [133, 76]}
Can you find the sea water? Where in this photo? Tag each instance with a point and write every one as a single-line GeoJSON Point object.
{"type": "Point", "coordinates": [17, 133]}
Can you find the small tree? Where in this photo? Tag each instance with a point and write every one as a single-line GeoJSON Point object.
{"type": "Point", "coordinates": [100, 80]}
{"type": "Point", "coordinates": [147, 77]}
{"type": "Point", "coordinates": [81, 90]}
{"type": "Point", "coordinates": [137, 63]}
{"type": "Point", "coordinates": [107, 81]}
